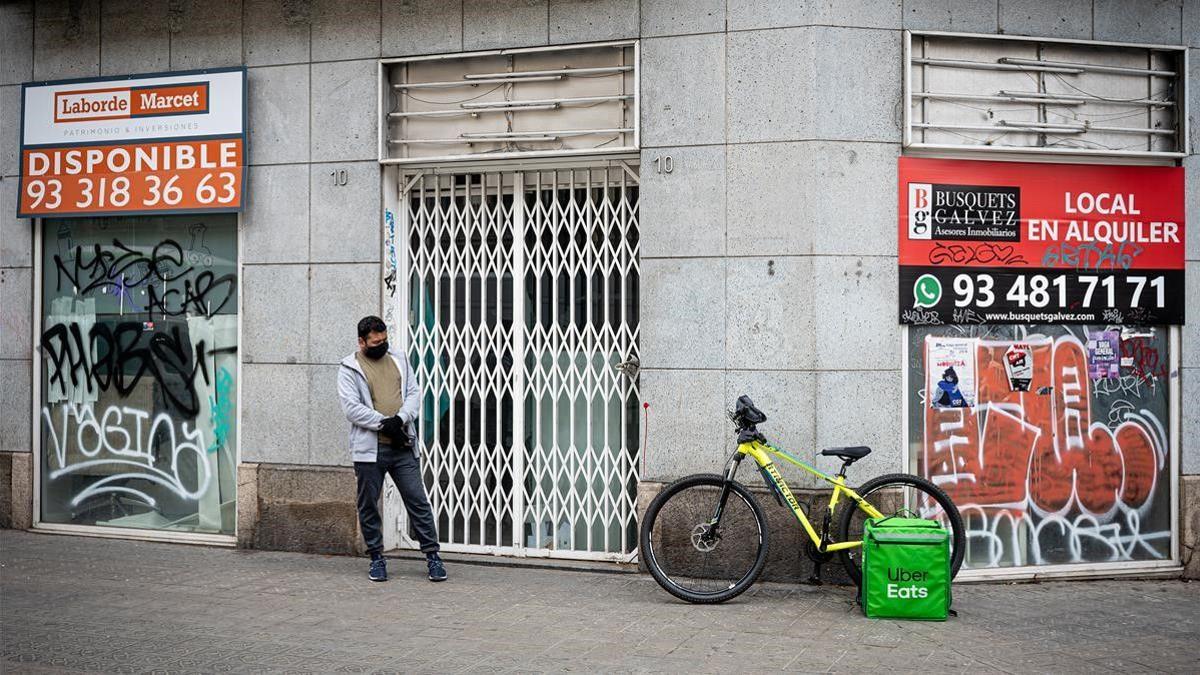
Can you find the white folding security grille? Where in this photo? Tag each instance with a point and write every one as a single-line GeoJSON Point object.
{"type": "Point", "coordinates": [522, 307]}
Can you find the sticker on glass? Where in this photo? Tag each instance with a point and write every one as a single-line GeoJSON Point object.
{"type": "Point", "coordinates": [1018, 364]}
{"type": "Point", "coordinates": [950, 372]}
{"type": "Point", "coordinates": [1104, 354]}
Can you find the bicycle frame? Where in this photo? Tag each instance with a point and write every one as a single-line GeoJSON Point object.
{"type": "Point", "coordinates": [761, 453]}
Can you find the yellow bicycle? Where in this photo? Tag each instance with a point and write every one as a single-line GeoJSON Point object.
{"type": "Point", "coordinates": [703, 547]}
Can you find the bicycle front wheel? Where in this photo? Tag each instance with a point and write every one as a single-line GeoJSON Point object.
{"type": "Point", "coordinates": [694, 557]}
{"type": "Point", "coordinates": [895, 494]}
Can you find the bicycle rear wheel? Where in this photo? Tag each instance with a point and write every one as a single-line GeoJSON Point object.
{"type": "Point", "coordinates": [695, 559]}
{"type": "Point", "coordinates": [896, 493]}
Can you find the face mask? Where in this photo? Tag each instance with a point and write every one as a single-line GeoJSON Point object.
{"type": "Point", "coordinates": [377, 351]}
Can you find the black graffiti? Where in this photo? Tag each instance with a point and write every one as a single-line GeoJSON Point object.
{"type": "Point", "coordinates": [984, 254]}
{"type": "Point", "coordinates": [118, 357]}
{"type": "Point", "coordinates": [205, 294]}
{"type": "Point", "coordinates": [105, 267]}
{"type": "Point", "coordinates": [195, 295]}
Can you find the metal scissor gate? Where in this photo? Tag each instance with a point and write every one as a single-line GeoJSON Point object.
{"type": "Point", "coordinates": [523, 314]}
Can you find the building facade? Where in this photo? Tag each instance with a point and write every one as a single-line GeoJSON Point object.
{"type": "Point", "coordinates": [583, 308]}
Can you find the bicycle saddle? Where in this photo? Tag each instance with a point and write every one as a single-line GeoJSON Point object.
{"type": "Point", "coordinates": [848, 453]}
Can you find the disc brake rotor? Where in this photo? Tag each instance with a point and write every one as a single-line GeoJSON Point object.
{"type": "Point", "coordinates": [703, 539]}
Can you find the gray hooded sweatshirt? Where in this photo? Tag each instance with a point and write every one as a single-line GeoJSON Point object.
{"type": "Point", "coordinates": [355, 397]}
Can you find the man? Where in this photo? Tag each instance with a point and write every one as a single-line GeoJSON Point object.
{"type": "Point", "coordinates": [380, 397]}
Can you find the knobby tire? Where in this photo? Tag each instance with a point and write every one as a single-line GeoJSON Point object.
{"type": "Point", "coordinates": [737, 490]}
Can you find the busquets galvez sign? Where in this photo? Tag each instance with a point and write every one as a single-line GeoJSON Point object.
{"type": "Point", "coordinates": [1009, 242]}
{"type": "Point", "coordinates": [157, 143]}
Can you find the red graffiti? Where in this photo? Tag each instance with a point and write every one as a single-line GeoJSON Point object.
{"type": "Point", "coordinates": [1017, 451]}
{"type": "Point", "coordinates": [1143, 358]}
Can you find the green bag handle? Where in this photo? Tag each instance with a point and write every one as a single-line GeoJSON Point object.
{"type": "Point", "coordinates": [897, 514]}
{"type": "Point", "coordinates": [931, 539]}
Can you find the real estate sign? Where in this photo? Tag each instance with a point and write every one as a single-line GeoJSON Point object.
{"type": "Point", "coordinates": [160, 143]}
{"type": "Point", "coordinates": [1011, 242]}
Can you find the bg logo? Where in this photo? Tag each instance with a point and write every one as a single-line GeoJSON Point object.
{"type": "Point", "coordinates": [920, 210]}
{"type": "Point", "coordinates": [964, 212]}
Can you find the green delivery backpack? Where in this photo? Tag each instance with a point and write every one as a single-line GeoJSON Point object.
{"type": "Point", "coordinates": [906, 569]}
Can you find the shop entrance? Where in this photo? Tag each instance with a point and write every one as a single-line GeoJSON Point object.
{"type": "Point", "coordinates": [139, 375]}
{"type": "Point", "coordinates": [520, 316]}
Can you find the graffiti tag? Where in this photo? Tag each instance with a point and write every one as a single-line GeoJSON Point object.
{"type": "Point", "coordinates": [221, 404]}
{"type": "Point", "coordinates": [921, 317]}
{"type": "Point", "coordinates": [118, 357]}
{"type": "Point", "coordinates": [107, 442]}
{"type": "Point", "coordinates": [1041, 464]}
{"type": "Point", "coordinates": [1091, 256]}
{"type": "Point", "coordinates": [118, 268]}
{"type": "Point", "coordinates": [985, 254]}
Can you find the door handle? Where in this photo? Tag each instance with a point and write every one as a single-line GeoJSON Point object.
{"type": "Point", "coordinates": [630, 366]}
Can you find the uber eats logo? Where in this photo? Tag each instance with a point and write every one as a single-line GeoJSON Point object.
{"type": "Point", "coordinates": [902, 583]}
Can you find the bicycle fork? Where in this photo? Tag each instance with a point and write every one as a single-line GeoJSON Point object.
{"type": "Point", "coordinates": [731, 468]}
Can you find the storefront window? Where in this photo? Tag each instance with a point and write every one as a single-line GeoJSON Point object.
{"type": "Point", "coordinates": [139, 372]}
{"type": "Point", "coordinates": [1052, 441]}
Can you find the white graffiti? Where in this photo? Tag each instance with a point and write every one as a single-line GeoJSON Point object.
{"type": "Point", "coordinates": [1126, 385]}
{"type": "Point", "coordinates": [1053, 478]}
{"type": "Point", "coordinates": [947, 447]}
{"type": "Point", "coordinates": [123, 444]}
{"type": "Point", "coordinates": [1002, 534]}
{"type": "Point", "coordinates": [1013, 537]}
{"type": "Point", "coordinates": [1119, 411]}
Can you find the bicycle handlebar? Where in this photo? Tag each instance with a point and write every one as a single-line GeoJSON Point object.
{"type": "Point", "coordinates": [745, 419]}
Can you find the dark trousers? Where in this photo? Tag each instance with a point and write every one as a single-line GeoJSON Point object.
{"type": "Point", "coordinates": [405, 470]}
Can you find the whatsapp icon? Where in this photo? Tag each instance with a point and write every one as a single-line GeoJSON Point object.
{"type": "Point", "coordinates": [927, 291]}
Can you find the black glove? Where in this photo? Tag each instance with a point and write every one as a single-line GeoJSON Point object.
{"type": "Point", "coordinates": [395, 429]}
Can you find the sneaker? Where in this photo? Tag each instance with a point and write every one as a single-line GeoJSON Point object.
{"type": "Point", "coordinates": [437, 571]}
{"type": "Point", "coordinates": [378, 570]}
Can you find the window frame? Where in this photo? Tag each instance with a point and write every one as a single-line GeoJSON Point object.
{"type": "Point", "coordinates": [105, 531]}
{"type": "Point", "coordinates": [1044, 154]}
{"type": "Point", "coordinates": [1168, 568]}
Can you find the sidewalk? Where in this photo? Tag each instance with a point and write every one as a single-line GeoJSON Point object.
{"type": "Point", "coordinates": [75, 603]}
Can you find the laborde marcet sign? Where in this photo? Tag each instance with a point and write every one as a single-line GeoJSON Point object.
{"type": "Point", "coordinates": [160, 143]}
